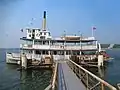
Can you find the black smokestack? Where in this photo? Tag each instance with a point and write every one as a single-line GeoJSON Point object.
{"type": "Point", "coordinates": [44, 14]}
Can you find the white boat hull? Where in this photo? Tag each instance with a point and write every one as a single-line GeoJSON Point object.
{"type": "Point", "coordinates": [12, 58]}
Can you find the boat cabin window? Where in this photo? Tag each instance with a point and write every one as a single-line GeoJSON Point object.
{"type": "Point", "coordinates": [40, 33]}
{"type": "Point", "coordinates": [49, 33]}
{"type": "Point", "coordinates": [33, 30]}
{"type": "Point", "coordinates": [42, 37]}
{"type": "Point", "coordinates": [45, 52]}
{"type": "Point", "coordinates": [37, 34]}
{"type": "Point", "coordinates": [37, 52]}
{"type": "Point", "coordinates": [33, 36]}
{"type": "Point", "coordinates": [45, 33]}
{"type": "Point", "coordinates": [30, 52]}
{"type": "Point", "coordinates": [29, 35]}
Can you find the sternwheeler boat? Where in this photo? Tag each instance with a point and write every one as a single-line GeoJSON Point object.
{"type": "Point", "coordinates": [39, 44]}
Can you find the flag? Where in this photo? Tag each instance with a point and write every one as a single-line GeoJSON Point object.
{"type": "Point", "coordinates": [93, 28]}
{"type": "Point", "coordinates": [21, 30]}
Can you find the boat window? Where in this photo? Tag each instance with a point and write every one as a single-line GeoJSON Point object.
{"type": "Point", "coordinates": [33, 30]}
{"type": "Point", "coordinates": [43, 52]}
{"type": "Point", "coordinates": [29, 35]}
{"type": "Point", "coordinates": [30, 51]}
{"type": "Point", "coordinates": [37, 52]}
{"type": "Point", "coordinates": [55, 52]}
{"type": "Point", "coordinates": [45, 33]}
{"type": "Point", "coordinates": [36, 34]}
{"type": "Point", "coordinates": [40, 33]}
{"type": "Point", "coordinates": [49, 33]}
{"type": "Point", "coordinates": [43, 42]}
{"type": "Point", "coordinates": [33, 36]}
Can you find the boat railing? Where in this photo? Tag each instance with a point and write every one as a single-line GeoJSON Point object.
{"type": "Point", "coordinates": [35, 56]}
{"type": "Point", "coordinates": [29, 56]}
{"type": "Point", "coordinates": [89, 38]}
{"type": "Point", "coordinates": [13, 55]}
{"type": "Point", "coordinates": [91, 81]}
{"type": "Point", "coordinates": [87, 57]}
{"type": "Point", "coordinates": [73, 47]}
{"type": "Point", "coordinates": [58, 57]}
{"type": "Point", "coordinates": [83, 47]}
{"type": "Point", "coordinates": [41, 46]}
{"type": "Point", "coordinates": [26, 46]}
{"type": "Point", "coordinates": [56, 47]}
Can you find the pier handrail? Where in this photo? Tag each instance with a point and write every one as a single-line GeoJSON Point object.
{"type": "Point", "coordinates": [55, 77]}
{"type": "Point", "coordinates": [94, 76]}
{"type": "Point", "coordinates": [53, 84]}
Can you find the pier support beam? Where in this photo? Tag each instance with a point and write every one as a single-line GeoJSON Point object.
{"type": "Point", "coordinates": [33, 55]}
{"type": "Point", "coordinates": [100, 60]}
{"type": "Point", "coordinates": [49, 52]}
{"type": "Point", "coordinates": [24, 61]}
{"type": "Point", "coordinates": [99, 47]}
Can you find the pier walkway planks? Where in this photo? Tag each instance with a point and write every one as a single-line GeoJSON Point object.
{"type": "Point", "coordinates": [67, 79]}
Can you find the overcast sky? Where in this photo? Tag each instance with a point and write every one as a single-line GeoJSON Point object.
{"type": "Point", "coordinates": [69, 15]}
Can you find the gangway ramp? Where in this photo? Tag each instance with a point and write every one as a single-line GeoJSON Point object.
{"type": "Point", "coordinates": [68, 75]}
{"type": "Point", "coordinates": [67, 78]}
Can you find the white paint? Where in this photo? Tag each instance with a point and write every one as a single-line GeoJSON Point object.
{"type": "Point", "coordinates": [38, 34]}
{"type": "Point", "coordinates": [100, 60]}
{"type": "Point", "coordinates": [18, 62]}
{"type": "Point", "coordinates": [24, 61]}
{"type": "Point", "coordinates": [41, 47]}
{"type": "Point", "coordinates": [29, 33]}
{"type": "Point", "coordinates": [60, 47]}
{"type": "Point", "coordinates": [96, 43]}
{"type": "Point", "coordinates": [99, 46]}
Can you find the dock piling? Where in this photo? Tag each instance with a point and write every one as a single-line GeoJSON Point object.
{"type": "Point", "coordinates": [24, 61]}
{"type": "Point", "coordinates": [100, 60]}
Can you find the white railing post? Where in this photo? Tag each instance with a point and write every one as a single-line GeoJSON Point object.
{"type": "Point", "coordinates": [100, 60]}
{"type": "Point", "coordinates": [54, 77]}
{"type": "Point", "coordinates": [87, 81]}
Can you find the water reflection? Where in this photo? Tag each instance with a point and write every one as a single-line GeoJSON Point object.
{"type": "Point", "coordinates": [99, 71]}
{"type": "Point", "coordinates": [34, 79]}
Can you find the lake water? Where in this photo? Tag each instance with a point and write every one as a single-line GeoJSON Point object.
{"type": "Point", "coordinates": [111, 71]}
{"type": "Point", "coordinates": [11, 79]}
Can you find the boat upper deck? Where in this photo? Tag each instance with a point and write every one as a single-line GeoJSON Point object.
{"type": "Point", "coordinates": [88, 39]}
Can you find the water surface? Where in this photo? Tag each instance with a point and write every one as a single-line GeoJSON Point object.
{"type": "Point", "coordinates": [12, 79]}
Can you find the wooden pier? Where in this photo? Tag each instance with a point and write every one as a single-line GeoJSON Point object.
{"type": "Point", "coordinates": [68, 75]}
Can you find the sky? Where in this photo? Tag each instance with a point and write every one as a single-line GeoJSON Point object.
{"type": "Point", "coordinates": [72, 16]}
